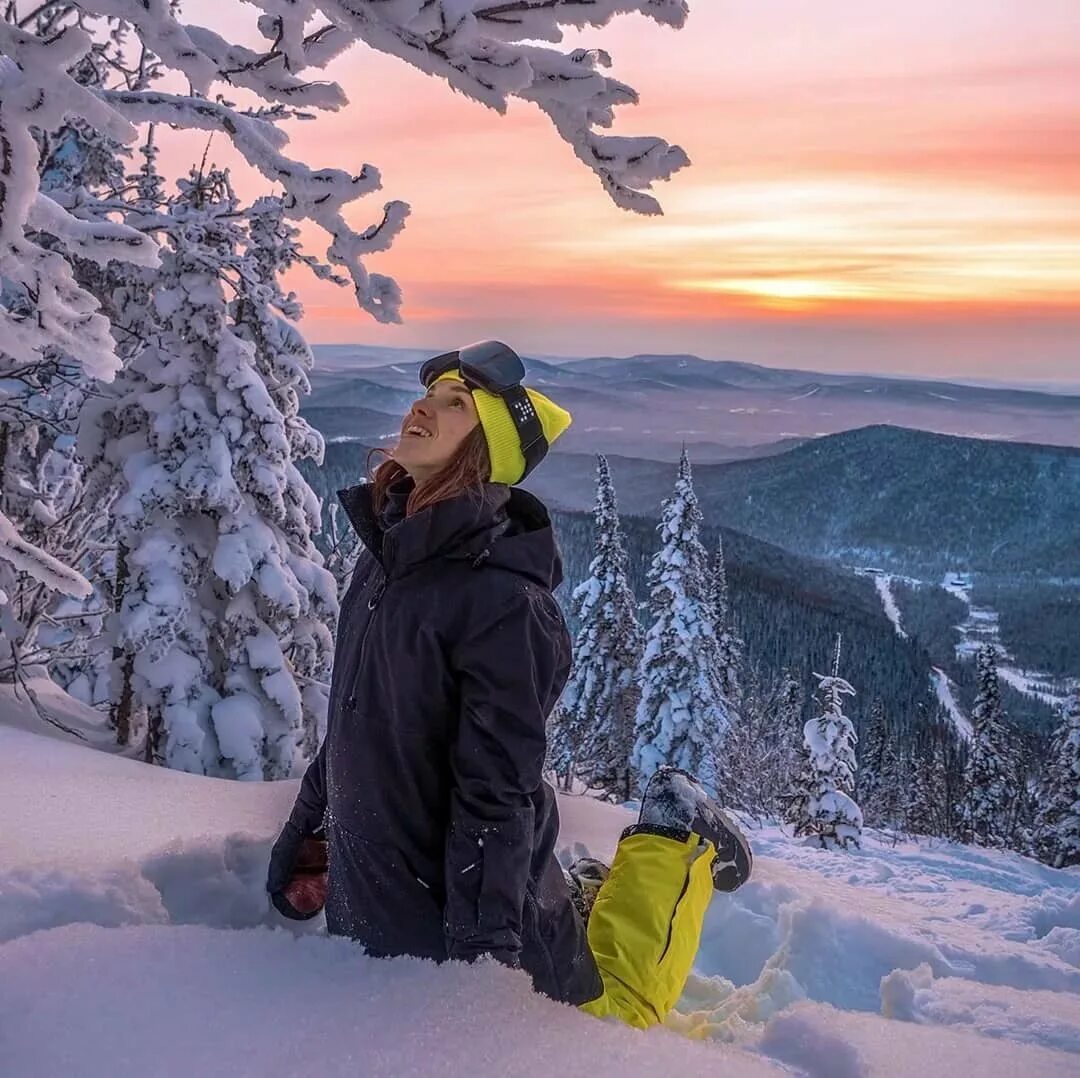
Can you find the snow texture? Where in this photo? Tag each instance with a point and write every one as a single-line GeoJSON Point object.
{"type": "Point", "coordinates": [899, 960]}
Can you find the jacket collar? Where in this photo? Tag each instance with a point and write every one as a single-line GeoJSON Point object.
{"type": "Point", "coordinates": [458, 527]}
{"type": "Point", "coordinates": [504, 526]}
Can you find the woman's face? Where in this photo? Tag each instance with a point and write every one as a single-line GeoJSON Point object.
{"type": "Point", "coordinates": [434, 429]}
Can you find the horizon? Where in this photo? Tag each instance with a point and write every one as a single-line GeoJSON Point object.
{"type": "Point", "coordinates": [1061, 387]}
{"type": "Point", "coordinates": [858, 199]}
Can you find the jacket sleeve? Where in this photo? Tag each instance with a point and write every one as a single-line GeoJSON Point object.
{"type": "Point", "coordinates": [310, 805]}
{"type": "Point", "coordinates": [510, 669]}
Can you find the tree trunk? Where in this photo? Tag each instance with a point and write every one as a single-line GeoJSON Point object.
{"type": "Point", "coordinates": [154, 727]}
{"type": "Point", "coordinates": [121, 708]}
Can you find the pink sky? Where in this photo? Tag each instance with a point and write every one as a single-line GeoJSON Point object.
{"type": "Point", "coordinates": [873, 187]}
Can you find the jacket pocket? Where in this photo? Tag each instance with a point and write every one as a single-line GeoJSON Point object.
{"type": "Point", "coordinates": [378, 898]}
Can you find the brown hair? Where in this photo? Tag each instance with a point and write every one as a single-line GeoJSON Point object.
{"type": "Point", "coordinates": [468, 469]}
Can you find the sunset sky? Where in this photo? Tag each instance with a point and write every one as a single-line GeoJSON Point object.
{"type": "Point", "coordinates": [885, 186]}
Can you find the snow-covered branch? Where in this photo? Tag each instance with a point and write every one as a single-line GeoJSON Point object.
{"type": "Point", "coordinates": [39, 565]}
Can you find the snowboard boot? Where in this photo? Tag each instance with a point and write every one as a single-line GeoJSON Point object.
{"type": "Point", "coordinates": [676, 803]}
{"type": "Point", "coordinates": [585, 877]}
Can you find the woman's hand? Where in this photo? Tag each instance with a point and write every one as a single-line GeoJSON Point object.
{"type": "Point", "coordinates": [297, 874]}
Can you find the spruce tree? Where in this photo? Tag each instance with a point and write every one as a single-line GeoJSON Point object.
{"type": "Point", "coordinates": [990, 771]}
{"type": "Point", "coordinates": [226, 612]}
{"type": "Point", "coordinates": [729, 646]}
{"type": "Point", "coordinates": [920, 815]}
{"type": "Point", "coordinates": [890, 792]}
{"type": "Point", "coordinates": [831, 814]}
{"type": "Point", "coordinates": [880, 792]}
{"type": "Point", "coordinates": [871, 755]}
{"type": "Point", "coordinates": [1057, 826]}
{"type": "Point", "coordinates": [683, 715]}
{"type": "Point", "coordinates": [75, 92]}
{"type": "Point", "coordinates": [595, 731]}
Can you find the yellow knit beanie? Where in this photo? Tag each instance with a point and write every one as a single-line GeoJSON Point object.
{"type": "Point", "coordinates": [504, 447]}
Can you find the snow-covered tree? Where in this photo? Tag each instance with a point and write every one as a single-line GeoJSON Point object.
{"type": "Point", "coordinates": [759, 761]}
{"type": "Point", "coordinates": [226, 611]}
{"type": "Point", "coordinates": [482, 48]}
{"type": "Point", "coordinates": [880, 788]}
{"type": "Point", "coordinates": [479, 47]}
{"type": "Point", "coordinates": [40, 475]}
{"type": "Point", "coordinates": [1057, 834]}
{"type": "Point", "coordinates": [595, 731]}
{"type": "Point", "coordinates": [729, 647]}
{"type": "Point", "coordinates": [990, 771]}
{"type": "Point", "coordinates": [921, 799]}
{"type": "Point", "coordinates": [831, 814]}
{"type": "Point", "coordinates": [683, 715]}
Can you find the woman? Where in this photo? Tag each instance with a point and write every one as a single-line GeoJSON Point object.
{"type": "Point", "coordinates": [426, 800]}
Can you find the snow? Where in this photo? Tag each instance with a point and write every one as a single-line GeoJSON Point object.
{"type": "Point", "coordinates": [122, 882]}
{"type": "Point", "coordinates": [944, 689]}
{"type": "Point", "coordinates": [883, 583]}
{"type": "Point", "coordinates": [981, 626]}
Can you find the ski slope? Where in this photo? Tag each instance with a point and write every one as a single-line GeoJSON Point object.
{"type": "Point", "coordinates": [940, 681]}
{"type": "Point", "coordinates": [135, 939]}
{"type": "Point", "coordinates": [982, 626]}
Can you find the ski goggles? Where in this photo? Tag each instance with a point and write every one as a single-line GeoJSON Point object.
{"type": "Point", "coordinates": [496, 368]}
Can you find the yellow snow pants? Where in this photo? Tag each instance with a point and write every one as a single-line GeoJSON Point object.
{"type": "Point", "coordinates": [645, 926]}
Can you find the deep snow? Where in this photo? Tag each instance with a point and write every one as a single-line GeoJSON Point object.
{"type": "Point", "coordinates": [135, 938]}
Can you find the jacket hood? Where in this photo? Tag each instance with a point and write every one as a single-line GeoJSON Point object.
{"type": "Point", "coordinates": [505, 527]}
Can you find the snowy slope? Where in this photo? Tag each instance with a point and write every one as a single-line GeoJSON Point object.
{"type": "Point", "coordinates": [982, 626]}
{"type": "Point", "coordinates": [126, 890]}
{"type": "Point", "coordinates": [942, 685]}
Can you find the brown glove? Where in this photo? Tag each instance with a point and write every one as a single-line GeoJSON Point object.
{"type": "Point", "coordinates": [298, 873]}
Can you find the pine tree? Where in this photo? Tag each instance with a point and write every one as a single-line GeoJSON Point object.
{"type": "Point", "coordinates": [889, 794]}
{"type": "Point", "coordinates": [1057, 827]}
{"type": "Point", "coordinates": [880, 789]}
{"type": "Point", "coordinates": [264, 315]}
{"type": "Point", "coordinates": [831, 814]}
{"type": "Point", "coordinates": [75, 92]}
{"type": "Point", "coordinates": [761, 760]}
{"type": "Point", "coordinates": [682, 715]}
{"type": "Point", "coordinates": [52, 615]}
{"type": "Point", "coordinates": [563, 745]}
{"type": "Point", "coordinates": [597, 710]}
{"type": "Point", "coordinates": [990, 762]}
{"type": "Point", "coordinates": [729, 646]}
{"type": "Point", "coordinates": [871, 754]}
{"type": "Point", "coordinates": [226, 612]}
{"type": "Point", "coordinates": [920, 814]}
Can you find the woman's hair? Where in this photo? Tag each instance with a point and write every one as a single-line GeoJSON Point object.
{"type": "Point", "coordinates": [468, 469]}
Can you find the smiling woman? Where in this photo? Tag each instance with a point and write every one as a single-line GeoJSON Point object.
{"type": "Point", "coordinates": [435, 429]}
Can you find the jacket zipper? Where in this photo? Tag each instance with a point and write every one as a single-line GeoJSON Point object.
{"type": "Point", "coordinates": [372, 604]}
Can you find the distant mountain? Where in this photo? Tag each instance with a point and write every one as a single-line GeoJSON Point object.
{"type": "Point", "coordinates": [649, 406]}
{"type": "Point", "coordinates": [912, 501]}
{"type": "Point", "coordinates": [687, 371]}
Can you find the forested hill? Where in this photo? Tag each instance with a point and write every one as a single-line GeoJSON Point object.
{"type": "Point", "coordinates": [909, 497]}
{"type": "Point", "coordinates": [912, 501]}
{"type": "Point", "coordinates": [788, 610]}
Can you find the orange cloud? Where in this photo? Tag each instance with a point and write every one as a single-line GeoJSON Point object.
{"type": "Point", "coordinates": [848, 161]}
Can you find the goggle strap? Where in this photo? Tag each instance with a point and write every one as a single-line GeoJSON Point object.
{"type": "Point", "coordinates": [530, 431]}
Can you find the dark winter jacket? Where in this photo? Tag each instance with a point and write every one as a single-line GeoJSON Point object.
{"type": "Point", "coordinates": [451, 652]}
